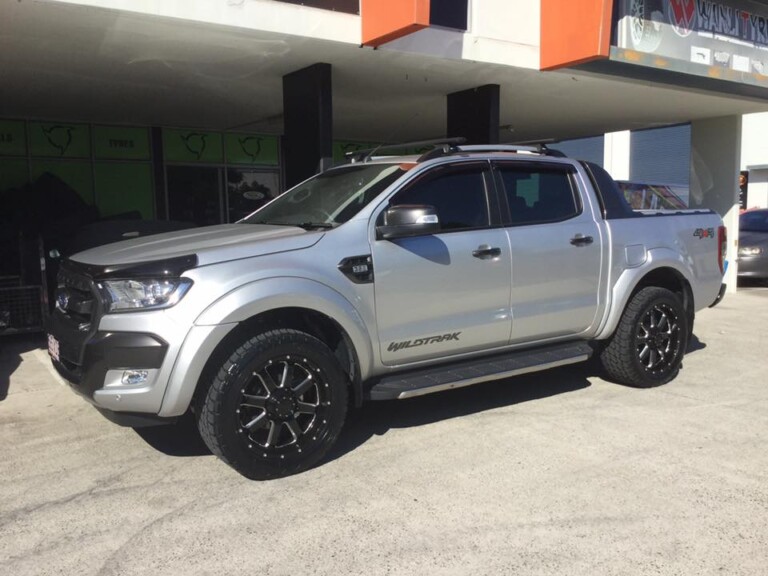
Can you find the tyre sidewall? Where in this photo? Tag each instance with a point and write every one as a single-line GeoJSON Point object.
{"type": "Point", "coordinates": [233, 447]}
{"type": "Point", "coordinates": [656, 297]}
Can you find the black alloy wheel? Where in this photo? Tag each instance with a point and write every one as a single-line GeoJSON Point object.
{"type": "Point", "coordinates": [276, 406]}
{"type": "Point", "coordinates": [648, 345]}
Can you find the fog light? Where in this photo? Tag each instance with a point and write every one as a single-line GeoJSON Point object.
{"type": "Point", "coordinates": [133, 377]}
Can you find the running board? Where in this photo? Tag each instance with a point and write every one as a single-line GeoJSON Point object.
{"type": "Point", "coordinates": [468, 372]}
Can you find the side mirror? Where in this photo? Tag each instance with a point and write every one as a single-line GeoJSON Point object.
{"type": "Point", "coordinates": [408, 220]}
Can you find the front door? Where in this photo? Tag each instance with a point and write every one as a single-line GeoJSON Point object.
{"type": "Point", "coordinates": [447, 293]}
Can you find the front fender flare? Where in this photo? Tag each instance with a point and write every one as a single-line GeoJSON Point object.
{"type": "Point", "coordinates": [262, 296]}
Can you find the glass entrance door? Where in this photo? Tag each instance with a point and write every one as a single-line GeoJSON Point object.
{"type": "Point", "coordinates": [194, 194]}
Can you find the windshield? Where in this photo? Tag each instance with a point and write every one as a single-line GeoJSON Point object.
{"type": "Point", "coordinates": [329, 199]}
{"type": "Point", "coordinates": [756, 221]}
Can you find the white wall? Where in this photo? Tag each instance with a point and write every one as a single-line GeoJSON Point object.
{"type": "Point", "coordinates": [498, 32]}
{"type": "Point", "coordinates": [754, 140]}
{"type": "Point", "coordinates": [264, 15]}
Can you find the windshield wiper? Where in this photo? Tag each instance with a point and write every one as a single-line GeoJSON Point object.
{"type": "Point", "coordinates": [304, 225]}
{"type": "Point", "coordinates": [311, 225]}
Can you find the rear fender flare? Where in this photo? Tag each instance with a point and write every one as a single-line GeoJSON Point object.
{"type": "Point", "coordinates": [631, 278]}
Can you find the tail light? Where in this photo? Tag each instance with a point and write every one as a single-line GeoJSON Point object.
{"type": "Point", "coordinates": [722, 244]}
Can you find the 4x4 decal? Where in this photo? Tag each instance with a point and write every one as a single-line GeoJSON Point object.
{"type": "Point", "coordinates": [395, 346]}
{"type": "Point", "coordinates": [702, 233]}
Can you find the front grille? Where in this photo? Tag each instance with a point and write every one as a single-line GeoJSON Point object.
{"type": "Point", "coordinates": [75, 316]}
{"type": "Point", "coordinates": [75, 297]}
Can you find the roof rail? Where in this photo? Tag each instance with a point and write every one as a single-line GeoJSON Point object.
{"type": "Point", "coordinates": [500, 148]}
{"type": "Point", "coordinates": [445, 144]}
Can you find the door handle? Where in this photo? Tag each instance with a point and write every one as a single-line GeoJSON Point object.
{"type": "Point", "coordinates": [485, 252]}
{"type": "Point", "coordinates": [581, 240]}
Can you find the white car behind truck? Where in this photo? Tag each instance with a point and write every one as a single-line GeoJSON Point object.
{"type": "Point", "coordinates": [387, 278]}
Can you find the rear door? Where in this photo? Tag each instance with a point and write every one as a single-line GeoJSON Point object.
{"type": "Point", "coordinates": [447, 293]}
{"type": "Point", "coordinates": [555, 250]}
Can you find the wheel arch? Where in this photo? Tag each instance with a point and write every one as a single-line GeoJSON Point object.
{"type": "Point", "coordinates": [312, 322]}
{"type": "Point", "coordinates": [279, 302]}
{"type": "Point", "coordinates": [670, 276]}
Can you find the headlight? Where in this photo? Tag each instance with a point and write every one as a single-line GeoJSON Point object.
{"type": "Point", "coordinates": [143, 294]}
{"type": "Point", "coordinates": [750, 251]}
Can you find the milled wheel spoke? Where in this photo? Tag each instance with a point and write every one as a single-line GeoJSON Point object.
{"type": "Point", "coordinates": [305, 408]}
{"type": "Point", "coordinates": [274, 433]}
{"type": "Point", "coordinates": [260, 419]}
{"type": "Point", "coordinates": [254, 401]}
{"type": "Point", "coordinates": [653, 359]}
{"type": "Point", "coordinates": [644, 352]}
{"type": "Point", "coordinates": [267, 381]}
{"type": "Point", "coordinates": [294, 428]}
{"type": "Point", "coordinates": [287, 376]}
{"type": "Point", "coordinates": [303, 386]}
{"type": "Point", "coordinates": [663, 321]}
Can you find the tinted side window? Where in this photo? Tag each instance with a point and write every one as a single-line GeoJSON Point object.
{"type": "Point", "coordinates": [458, 194]}
{"type": "Point", "coordinates": [538, 194]}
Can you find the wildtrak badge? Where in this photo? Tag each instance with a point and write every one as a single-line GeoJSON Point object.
{"type": "Point", "coordinates": [395, 346]}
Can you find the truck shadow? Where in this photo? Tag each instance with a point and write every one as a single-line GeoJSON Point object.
{"type": "Point", "coordinates": [694, 344]}
{"type": "Point", "coordinates": [11, 349]}
{"type": "Point", "coordinates": [377, 418]}
{"type": "Point", "coordinates": [182, 439]}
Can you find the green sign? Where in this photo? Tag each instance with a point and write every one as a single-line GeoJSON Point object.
{"type": "Point", "coordinates": [59, 140]}
{"type": "Point", "coordinates": [251, 149]}
{"type": "Point", "coordinates": [13, 139]}
{"type": "Point", "coordinates": [121, 143]}
{"type": "Point", "coordinates": [192, 146]}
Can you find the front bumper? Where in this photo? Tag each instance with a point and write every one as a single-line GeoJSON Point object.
{"type": "Point", "coordinates": [107, 352]}
{"type": "Point", "coordinates": [96, 373]}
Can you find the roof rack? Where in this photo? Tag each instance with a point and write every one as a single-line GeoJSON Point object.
{"type": "Point", "coordinates": [445, 145]}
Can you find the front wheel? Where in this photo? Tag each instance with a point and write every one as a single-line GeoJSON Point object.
{"type": "Point", "coordinates": [276, 405]}
{"type": "Point", "coordinates": [649, 343]}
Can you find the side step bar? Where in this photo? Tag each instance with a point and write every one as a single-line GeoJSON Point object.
{"type": "Point", "coordinates": [459, 374]}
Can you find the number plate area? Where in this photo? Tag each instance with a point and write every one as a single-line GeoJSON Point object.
{"type": "Point", "coordinates": [53, 348]}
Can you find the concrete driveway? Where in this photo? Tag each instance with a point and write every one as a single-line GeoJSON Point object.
{"type": "Point", "coordinates": [556, 473]}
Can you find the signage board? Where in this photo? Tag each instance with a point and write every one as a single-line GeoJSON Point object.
{"type": "Point", "coordinates": [13, 138]}
{"type": "Point", "coordinates": [59, 140]}
{"type": "Point", "coordinates": [707, 35]}
{"type": "Point", "coordinates": [192, 146]}
{"type": "Point", "coordinates": [251, 149]}
{"type": "Point", "coordinates": [121, 143]}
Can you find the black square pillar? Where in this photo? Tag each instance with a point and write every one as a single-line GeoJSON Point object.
{"type": "Point", "coordinates": [474, 114]}
{"type": "Point", "coordinates": [308, 122]}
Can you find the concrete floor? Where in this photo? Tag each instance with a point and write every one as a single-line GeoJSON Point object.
{"type": "Point", "coordinates": [556, 473]}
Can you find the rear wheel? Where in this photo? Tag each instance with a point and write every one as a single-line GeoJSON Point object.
{"type": "Point", "coordinates": [649, 343]}
{"type": "Point", "coordinates": [276, 406]}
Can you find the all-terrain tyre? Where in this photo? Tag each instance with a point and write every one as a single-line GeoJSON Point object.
{"type": "Point", "coordinates": [648, 345]}
{"type": "Point", "coordinates": [275, 406]}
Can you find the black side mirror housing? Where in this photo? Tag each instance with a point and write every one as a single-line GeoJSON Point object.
{"type": "Point", "coordinates": [408, 220]}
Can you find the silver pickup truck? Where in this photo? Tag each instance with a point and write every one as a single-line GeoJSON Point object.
{"type": "Point", "coordinates": [386, 278]}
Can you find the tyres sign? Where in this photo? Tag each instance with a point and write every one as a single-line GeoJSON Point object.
{"type": "Point", "coordinates": [730, 34]}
